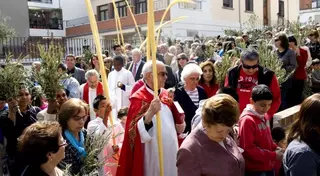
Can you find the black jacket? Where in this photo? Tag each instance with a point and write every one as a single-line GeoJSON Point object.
{"type": "Point", "coordinates": [264, 76]}
{"type": "Point", "coordinates": [181, 96]}
{"type": "Point", "coordinates": [139, 70]}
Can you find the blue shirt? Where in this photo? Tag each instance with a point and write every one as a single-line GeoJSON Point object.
{"type": "Point", "coordinates": [299, 159]}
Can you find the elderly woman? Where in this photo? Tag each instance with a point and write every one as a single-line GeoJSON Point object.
{"type": "Point", "coordinates": [190, 94]}
{"type": "Point", "coordinates": [43, 147]}
{"type": "Point", "coordinates": [302, 156]}
{"type": "Point", "coordinates": [208, 79]}
{"type": "Point", "coordinates": [209, 150]}
{"type": "Point", "coordinates": [72, 117]}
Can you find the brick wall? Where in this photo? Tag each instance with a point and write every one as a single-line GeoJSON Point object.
{"type": "Point", "coordinates": [305, 4]}
{"type": "Point", "coordinates": [110, 25]}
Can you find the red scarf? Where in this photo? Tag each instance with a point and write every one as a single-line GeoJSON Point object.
{"type": "Point", "coordinates": [99, 90]}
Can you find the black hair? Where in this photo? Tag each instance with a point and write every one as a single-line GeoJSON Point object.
{"type": "Point", "coordinates": [67, 92]}
{"type": "Point", "coordinates": [261, 92]}
{"type": "Point", "coordinates": [230, 91]}
{"type": "Point", "coordinates": [284, 41]}
{"type": "Point", "coordinates": [119, 58]}
{"type": "Point", "coordinates": [97, 101]}
{"type": "Point", "coordinates": [115, 47]}
{"type": "Point", "coordinates": [122, 112]}
{"type": "Point", "coordinates": [106, 52]}
{"type": "Point", "coordinates": [291, 38]}
{"type": "Point", "coordinates": [278, 134]}
{"type": "Point", "coordinates": [219, 43]}
{"type": "Point", "coordinates": [62, 66]}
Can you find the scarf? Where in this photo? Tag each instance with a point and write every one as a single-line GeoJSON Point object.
{"type": "Point", "coordinates": [75, 143]}
{"type": "Point", "coordinates": [99, 90]}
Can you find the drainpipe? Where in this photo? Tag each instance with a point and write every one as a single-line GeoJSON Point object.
{"type": "Point", "coordinates": [240, 15]}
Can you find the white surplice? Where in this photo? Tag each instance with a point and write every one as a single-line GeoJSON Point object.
{"type": "Point", "coordinates": [92, 96]}
{"type": "Point", "coordinates": [119, 97]}
{"type": "Point", "coordinates": [169, 142]}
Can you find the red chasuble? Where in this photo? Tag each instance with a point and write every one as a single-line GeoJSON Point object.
{"type": "Point", "coordinates": [132, 152]}
{"type": "Point", "coordinates": [86, 91]}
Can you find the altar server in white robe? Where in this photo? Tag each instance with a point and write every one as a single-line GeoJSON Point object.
{"type": "Point", "coordinates": [120, 83]}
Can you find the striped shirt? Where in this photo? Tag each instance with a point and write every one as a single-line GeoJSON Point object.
{"type": "Point", "coordinates": [194, 96]}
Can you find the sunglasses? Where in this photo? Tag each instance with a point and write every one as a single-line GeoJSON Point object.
{"type": "Point", "coordinates": [163, 74]}
{"type": "Point", "coordinates": [311, 35]}
{"type": "Point", "coordinates": [248, 67]}
{"type": "Point", "coordinates": [78, 118]}
{"type": "Point", "coordinates": [64, 143]}
{"type": "Point", "coordinates": [276, 40]}
{"type": "Point", "coordinates": [182, 59]}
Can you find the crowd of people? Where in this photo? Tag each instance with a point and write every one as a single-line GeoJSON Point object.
{"type": "Point", "coordinates": [207, 128]}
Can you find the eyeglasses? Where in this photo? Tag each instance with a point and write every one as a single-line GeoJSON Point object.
{"type": "Point", "coordinates": [194, 78]}
{"type": "Point", "coordinates": [64, 143]}
{"type": "Point", "coordinates": [78, 118]}
{"type": "Point", "coordinates": [248, 67]}
{"type": "Point", "coordinates": [163, 74]}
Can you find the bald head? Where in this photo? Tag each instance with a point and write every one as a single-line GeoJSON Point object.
{"type": "Point", "coordinates": [148, 75]}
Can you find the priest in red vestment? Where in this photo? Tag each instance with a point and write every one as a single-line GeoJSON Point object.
{"type": "Point", "coordinates": [139, 155]}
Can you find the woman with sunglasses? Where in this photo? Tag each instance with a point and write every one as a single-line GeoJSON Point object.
{"type": "Point", "coordinates": [288, 58]}
{"type": "Point", "coordinates": [189, 94]}
{"type": "Point", "coordinates": [72, 117]}
{"type": "Point", "coordinates": [43, 146]}
{"type": "Point", "coordinates": [182, 60]}
{"type": "Point", "coordinates": [314, 45]}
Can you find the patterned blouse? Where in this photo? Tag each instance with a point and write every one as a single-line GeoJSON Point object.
{"type": "Point", "coordinates": [72, 157]}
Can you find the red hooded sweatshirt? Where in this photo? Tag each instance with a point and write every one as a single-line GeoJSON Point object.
{"type": "Point", "coordinates": [256, 141]}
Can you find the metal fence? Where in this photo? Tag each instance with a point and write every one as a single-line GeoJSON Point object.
{"type": "Point", "coordinates": [28, 46]}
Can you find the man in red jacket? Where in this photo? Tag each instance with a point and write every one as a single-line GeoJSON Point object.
{"type": "Point", "coordinates": [249, 74]}
{"type": "Point", "coordinates": [260, 152]}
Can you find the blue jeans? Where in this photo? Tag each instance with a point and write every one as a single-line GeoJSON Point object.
{"type": "Point", "coordinates": [265, 173]}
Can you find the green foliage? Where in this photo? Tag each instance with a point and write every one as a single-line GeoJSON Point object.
{"type": "Point", "coordinates": [232, 32]}
{"type": "Point", "coordinates": [94, 147]}
{"type": "Point", "coordinates": [5, 30]}
{"type": "Point", "coordinates": [48, 76]}
{"type": "Point", "coordinates": [209, 50]}
{"type": "Point", "coordinates": [221, 68]}
{"type": "Point", "coordinates": [270, 60]}
{"type": "Point", "coordinates": [12, 77]}
{"type": "Point", "coordinates": [299, 31]}
{"type": "Point", "coordinates": [87, 56]}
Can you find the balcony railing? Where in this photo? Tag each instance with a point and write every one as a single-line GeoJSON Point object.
{"type": "Point", "coordinates": [77, 22]}
{"type": "Point", "coordinates": [42, 1]}
{"type": "Point", "coordinates": [28, 46]}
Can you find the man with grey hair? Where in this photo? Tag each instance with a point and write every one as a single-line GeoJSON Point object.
{"type": "Point", "coordinates": [249, 74]}
{"type": "Point", "coordinates": [136, 65]}
{"type": "Point", "coordinates": [91, 89]}
{"type": "Point", "coordinates": [140, 142]}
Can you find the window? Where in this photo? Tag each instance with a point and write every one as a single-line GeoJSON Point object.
{"type": "Point", "coordinates": [249, 5]}
{"type": "Point", "coordinates": [141, 6]}
{"type": "Point", "coordinates": [46, 19]}
{"type": "Point", "coordinates": [228, 3]}
{"type": "Point", "coordinates": [196, 6]}
{"type": "Point", "coordinates": [103, 12]}
{"type": "Point", "coordinates": [122, 8]}
{"type": "Point", "coordinates": [315, 4]}
{"type": "Point", "coordinates": [281, 8]}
